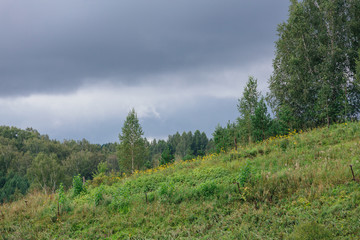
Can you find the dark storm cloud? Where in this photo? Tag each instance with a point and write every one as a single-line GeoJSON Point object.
{"type": "Point", "coordinates": [56, 46]}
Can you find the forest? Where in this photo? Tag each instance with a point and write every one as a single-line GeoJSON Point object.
{"type": "Point", "coordinates": [31, 160]}
{"type": "Point", "coordinates": [315, 82]}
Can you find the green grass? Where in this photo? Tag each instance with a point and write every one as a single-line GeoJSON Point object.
{"type": "Point", "coordinates": [290, 187]}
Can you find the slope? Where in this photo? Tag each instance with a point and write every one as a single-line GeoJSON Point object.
{"type": "Point", "coordinates": [298, 186]}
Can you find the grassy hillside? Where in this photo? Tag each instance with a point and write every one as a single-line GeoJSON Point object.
{"type": "Point", "coordinates": [291, 187]}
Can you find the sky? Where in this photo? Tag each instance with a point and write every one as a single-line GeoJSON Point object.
{"type": "Point", "coordinates": [73, 69]}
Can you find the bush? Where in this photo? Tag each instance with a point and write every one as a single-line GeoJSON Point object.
{"type": "Point", "coordinates": [62, 199]}
{"type": "Point", "coordinates": [245, 174]}
{"type": "Point", "coordinates": [12, 186]}
{"type": "Point", "coordinates": [310, 231]}
{"type": "Point", "coordinates": [207, 189]}
{"type": "Point", "coordinates": [166, 191]}
{"type": "Point", "coordinates": [120, 200]}
{"type": "Point", "coordinates": [78, 186]}
{"type": "Point", "coordinates": [61, 194]}
{"type": "Point", "coordinates": [250, 153]}
{"type": "Point", "coordinates": [98, 197]}
{"type": "Point", "coordinates": [284, 144]}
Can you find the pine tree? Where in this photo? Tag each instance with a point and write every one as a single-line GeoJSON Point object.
{"type": "Point", "coordinates": [166, 156]}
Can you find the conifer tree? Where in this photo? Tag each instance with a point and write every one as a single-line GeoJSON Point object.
{"type": "Point", "coordinates": [166, 156]}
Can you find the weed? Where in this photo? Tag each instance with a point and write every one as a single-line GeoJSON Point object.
{"type": "Point", "coordinates": [310, 231]}
{"type": "Point", "coordinates": [296, 186]}
{"type": "Point", "coordinates": [78, 186]}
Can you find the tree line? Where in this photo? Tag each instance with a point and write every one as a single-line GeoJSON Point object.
{"type": "Point", "coordinates": [136, 153]}
{"type": "Point", "coordinates": [315, 82]}
{"type": "Point", "coordinates": [29, 160]}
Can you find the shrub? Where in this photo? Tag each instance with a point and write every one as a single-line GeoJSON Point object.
{"type": "Point", "coordinates": [98, 197]}
{"type": "Point", "coordinates": [120, 200]}
{"type": "Point", "coordinates": [207, 189]}
{"type": "Point", "coordinates": [78, 186]}
{"type": "Point", "coordinates": [235, 156]}
{"type": "Point", "coordinates": [250, 153]}
{"type": "Point", "coordinates": [310, 231]}
{"type": "Point", "coordinates": [245, 174]}
{"type": "Point", "coordinates": [61, 194]}
{"type": "Point", "coordinates": [166, 190]}
{"type": "Point", "coordinates": [284, 144]}
{"type": "Point", "coordinates": [64, 204]}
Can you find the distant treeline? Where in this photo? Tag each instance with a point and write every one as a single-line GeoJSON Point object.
{"type": "Point", "coordinates": [185, 146]}
{"type": "Point", "coordinates": [29, 159]}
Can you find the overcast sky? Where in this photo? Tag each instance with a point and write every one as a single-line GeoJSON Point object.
{"type": "Point", "coordinates": [73, 69]}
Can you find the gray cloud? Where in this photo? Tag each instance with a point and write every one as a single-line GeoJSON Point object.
{"type": "Point", "coordinates": [74, 68]}
{"type": "Point", "coordinates": [199, 115]}
{"type": "Point", "coordinates": [57, 46]}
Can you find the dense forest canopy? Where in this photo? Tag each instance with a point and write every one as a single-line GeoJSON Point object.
{"type": "Point", "coordinates": [315, 63]}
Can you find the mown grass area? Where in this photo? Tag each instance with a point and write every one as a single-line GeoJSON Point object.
{"type": "Point", "coordinates": [291, 187]}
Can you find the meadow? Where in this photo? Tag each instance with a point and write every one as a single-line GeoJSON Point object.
{"type": "Point", "coordinates": [297, 186]}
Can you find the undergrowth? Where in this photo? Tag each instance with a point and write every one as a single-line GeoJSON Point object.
{"type": "Point", "coordinates": [297, 186]}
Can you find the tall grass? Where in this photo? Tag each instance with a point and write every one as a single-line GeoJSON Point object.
{"type": "Point", "coordinates": [285, 187]}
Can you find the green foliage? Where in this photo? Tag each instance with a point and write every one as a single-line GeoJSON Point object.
{"type": "Point", "coordinates": [121, 200]}
{"type": "Point", "coordinates": [166, 191]}
{"type": "Point", "coordinates": [284, 144]}
{"type": "Point", "coordinates": [199, 143]}
{"type": "Point", "coordinates": [83, 162]}
{"type": "Point", "coordinates": [245, 174]}
{"type": "Point", "coordinates": [248, 104]}
{"type": "Point", "coordinates": [185, 146]}
{"type": "Point", "coordinates": [10, 184]}
{"type": "Point", "coordinates": [261, 121]}
{"type": "Point", "coordinates": [166, 156]}
{"type": "Point", "coordinates": [102, 168]}
{"type": "Point", "coordinates": [207, 189]}
{"type": "Point", "coordinates": [225, 139]}
{"type": "Point", "coordinates": [311, 231]}
{"type": "Point", "coordinates": [281, 193]}
{"type": "Point", "coordinates": [358, 69]}
{"type": "Point", "coordinates": [61, 194]}
{"type": "Point", "coordinates": [188, 156]}
{"type": "Point", "coordinates": [43, 163]}
{"type": "Point", "coordinates": [46, 171]}
{"type": "Point", "coordinates": [315, 63]}
{"type": "Point", "coordinates": [132, 150]}
{"type": "Point", "coordinates": [98, 196]}
{"type": "Point", "coordinates": [78, 186]}
{"type": "Point", "coordinates": [63, 202]}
